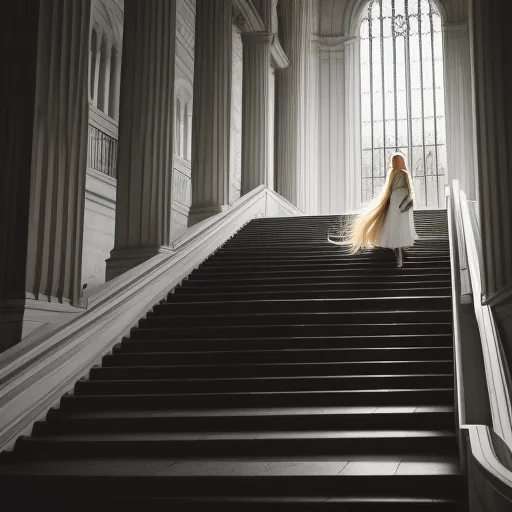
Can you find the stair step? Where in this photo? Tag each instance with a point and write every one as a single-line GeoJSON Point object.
{"type": "Point", "coordinates": [225, 444]}
{"type": "Point", "coordinates": [218, 420]}
{"type": "Point", "coordinates": [159, 317]}
{"type": "Point", "coordinates": [272, 369]}
{"type": "Point", "coordinates": [215, 357]}
{"type": "Point", "coordinates": [247, 504]}
{"type": "Point", "coordinates": [367, 397]}
{"type": "Point", "coordinates": [188, 286]}
{"type": "Point", "coordinates": [136, 344]}
{"type": "Point", "coordinates": [301, 383]}
{"type": "Point", "coordinates": [204, 273]}
{"type": "Point", "coordinates": [304, 305]}
{"type": "Point", "coordinates": [189, 294]}
{"type": "Point", "coordinates": [152, 330]}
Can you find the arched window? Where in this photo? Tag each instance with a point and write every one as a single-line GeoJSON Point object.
{"type": "Point", "coordinates": [93, 65]}
{"type": "Point", "coordinates": [104, 79]}
{"type": "Point", "coordinates": [113, 93]}
{"type": "Point", "coordinates": [186, 129]}
{"type": "Point", "coordinates": [402, 96]}
{"type": "Point", "coordinates": [178, 130]}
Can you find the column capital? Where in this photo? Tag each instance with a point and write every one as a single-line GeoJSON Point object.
{"type": "Point", "coordinates": [334, 43]}
{"type": "Point", "coordinates": [279, 58]}
{"type": "Point", "coordinates": [257, 38]}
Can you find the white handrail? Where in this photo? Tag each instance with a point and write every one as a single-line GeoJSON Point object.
{"type": "Point", "coordinates": [495, 370]}
{"type": "Point", "coordinates": [455, 250]}
{"type": "Point", "coordinates": [482, 449]}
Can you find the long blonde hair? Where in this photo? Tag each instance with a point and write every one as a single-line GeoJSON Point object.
{"type": "Point", "coordinates": [364, 229]}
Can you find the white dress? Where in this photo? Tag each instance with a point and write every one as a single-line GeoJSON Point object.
{"type": "Point", "coordinates": [398, 229]}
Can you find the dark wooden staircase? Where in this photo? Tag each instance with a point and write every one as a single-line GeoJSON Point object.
{"type": "Point", "coordinates": [284, 374]}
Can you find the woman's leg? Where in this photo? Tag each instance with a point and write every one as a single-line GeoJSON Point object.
{"type": "Point", "coordinates": [399, 257]}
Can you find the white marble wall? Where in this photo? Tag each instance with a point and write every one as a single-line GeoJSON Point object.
{"type": "Point", "coordinates": [181, 184]}
{"type": "Point", "coordinates": [99, 226]}
{"type": "Point", "coordinates": [236, 118]}
{"type": "Point", "coordinates": [100, 188]}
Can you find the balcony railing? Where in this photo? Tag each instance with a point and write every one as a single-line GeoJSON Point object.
{"type": "Point", "coordinates": [102, 152]}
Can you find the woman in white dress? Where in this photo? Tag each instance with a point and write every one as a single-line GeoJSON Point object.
{"type": "Point", "coordinates": [388, 221]}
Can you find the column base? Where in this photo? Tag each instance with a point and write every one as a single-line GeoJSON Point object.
{"type": "Point", "coordinates": [197, 215]}
{"type": "Point", "coordinates": [122, 260]}
{"type": "Point", "coordinates": [25, 322]}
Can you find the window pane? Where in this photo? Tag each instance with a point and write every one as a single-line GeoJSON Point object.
{"type": "Point", "coordinates": [402, 78]}
{"type": "Point", "coordinates": [367, 164]}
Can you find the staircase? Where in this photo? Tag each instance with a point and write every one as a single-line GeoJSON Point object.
{"type": "Point", "coordinates": [284, 374]}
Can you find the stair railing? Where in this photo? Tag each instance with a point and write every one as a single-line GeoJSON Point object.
{"type": "Point", "coordinates": [486, 450]}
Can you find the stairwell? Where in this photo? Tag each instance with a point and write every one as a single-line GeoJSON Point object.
{"type": "Point", "coordinates": [284, 374]}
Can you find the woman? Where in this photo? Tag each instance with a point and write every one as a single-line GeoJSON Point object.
{"type": "Point", "coordinates": [388, 221]}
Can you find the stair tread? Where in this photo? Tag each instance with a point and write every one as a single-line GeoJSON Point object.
{"type": "Point", "coordinates": [246, 435]}
{"type": "Point", "coordinates": [345, 466]}
{"type": "Point", "coordinates": [224, 359]}
{"type": "Point", "coordinates": [255, 412]}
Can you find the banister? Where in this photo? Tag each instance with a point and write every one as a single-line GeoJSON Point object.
{"type": "Point", "coordinates": [484, 456]}
{"type": "Point", "coordinates": [456, 287]}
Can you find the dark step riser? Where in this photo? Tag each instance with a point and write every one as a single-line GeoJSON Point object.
{"type": "Point", "coordinates": [296, 306]}
{"type": "Point", "coordinates": [193, 296]}
{"type": "Point", "coordinates": [258, 331]}
{"type": "Point", "coordinates": [272, 370]}
{"type": "Point", "coordinates": [305, 280]}
{"type": "Point", "coordinates": [82, 503]}
{"type": "Point", "coordinates": [35, 448]}
{"type": "Point", "coordinates": [333, 254]}
{"type": "Point", "coordinates": [433, 486]}
{"type": "Point", "coordinates": [317, 343]}
{"type": "Point", "coordinates": [369, 270]}
{"type": "Point", "coordinates": [223, 268]}
{"type": "Point", "coordinates": [154, 320]}
{"type": "Point", "coordinates": [247, 400]}
{"type": "Point", "coordinates": [183, 386]}
{"type": "Point", "coordinates": [59, 425]}
{"type": "Point", "coordinates": [273, 356]}
{"type": "Point", "coordinates": [191, 287]}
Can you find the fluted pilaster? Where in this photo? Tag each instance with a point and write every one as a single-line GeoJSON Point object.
{"type": "Point", "coordinates": [291, 103]}
{"type": "Point", "coordinates": [493, 81]}
{"type": "Point", "coordinates": [59, 149]}
{"type": "Point", "coordinates": [459, 116]}
{"type": "Point", "coordinates": [145, 134]}
{"type": "Point", "coordinates": [256, 111]}
{"type": "Point", "coordinates": [211, 116]}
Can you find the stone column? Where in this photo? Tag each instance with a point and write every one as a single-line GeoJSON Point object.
{"type": "Point", "coordinates": [43, 143]}
{"type": "Point", "coordinates": [256, 110]}
{"type": "Point", "coordinates": [115, 84]}
{"type": "Point", "coordinates": [459, 117]}
{"type": "Point", "coordinates": [492, 68]}
{"type": "Point", "coordinates": [291, 104]}
{"type": "Point", "coordinates": [211, 116]}
{"type": "Point", "coordinates": [145, 152]}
